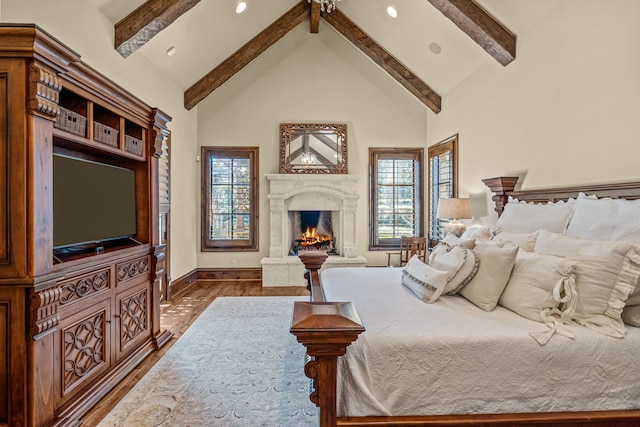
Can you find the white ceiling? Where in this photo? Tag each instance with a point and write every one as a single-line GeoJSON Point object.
{"type": "Point", "coordinates": [211, 31]}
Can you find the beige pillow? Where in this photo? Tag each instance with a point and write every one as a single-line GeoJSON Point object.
{"type": "Point", "coordinates": [606, 219]}
{"type": "Point", "coordinates": [610, 219]}
{"type": "Point", "coordinates": [526, 241]}
{"type": "Point", "coordinates": [606, 274]}
{"type": "Point", "coordinates": [541, 287]}
{"type": "Point", "coordinates": [425, 282]}
{"type": "Point", "coordinates": [453, 240]}
{"type": "Point", "coordinates": [530, 217]}
{"type": "Point", "coordinates": [631, 315]}
{"type": "Point", "coordinates": [459, 262]}
{"type": "Point", "coordinates": [479, 233]}
{"type": "Point", "coordinates": [495, 267]}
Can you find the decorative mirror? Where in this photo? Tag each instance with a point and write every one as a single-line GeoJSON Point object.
{"type": "Point", "coordinates": [313, 148]}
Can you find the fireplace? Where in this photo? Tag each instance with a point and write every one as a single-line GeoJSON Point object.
{"type": "Point", "coordinates": [333, 199]}
{"type": "Point", "coordinates": [312, 231]}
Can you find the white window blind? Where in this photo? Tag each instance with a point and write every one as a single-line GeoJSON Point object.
{"type": "Point", "coordinates": [396, 187]}
{"type": "Point", "coordinates": [442, 181]}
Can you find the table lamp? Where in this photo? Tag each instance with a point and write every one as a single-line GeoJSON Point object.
{"type": "Point", "coordinates": [454, 209]}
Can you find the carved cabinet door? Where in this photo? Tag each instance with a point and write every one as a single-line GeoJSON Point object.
{"type": "Point", "coordinates": [85, 339]}
{"type": "Point", "coordinates": [133, 319]}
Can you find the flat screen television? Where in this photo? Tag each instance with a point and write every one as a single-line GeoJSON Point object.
{"type": "Point", "coordinates": [93, 203]}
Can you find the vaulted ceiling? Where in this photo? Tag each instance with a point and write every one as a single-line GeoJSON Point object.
{"type": "Point", "coordinates": [213, 43]}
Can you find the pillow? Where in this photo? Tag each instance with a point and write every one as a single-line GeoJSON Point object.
{"type": "Point", "coordinates": [527, 217]}
{"type": "Point", "coordinates": [526, 241]}
{"type": "Point", "coordinates": [631, 315]}
{"type": "Point", "coordinates": [609, 219]}
{"type": "Point", "coordinates": [461, 264]}
{"type": "Point", "coordinates": [541, 288]}
{"type": "Point", "coordinates": [606, 219]}
{"type": "Point", "coordinates": [494, 270]}
{"type": "Point", "coordinates": [453, 240]}
{"type": "Point", "coordinates": [479, 233]}
{"type": "Point", "coordinates": [425, 282]}
{"type": "Point", "coordinates": [606, 274]}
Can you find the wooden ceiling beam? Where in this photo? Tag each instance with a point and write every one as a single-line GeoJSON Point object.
{"type": "Point", "coordinates": [247, 53]}
{"type": "Point", "coordinates": [481, 26]}
{"type": "Point", "coordinates": [141, 25]}
{"type": "Point", "coordinates": [384, 59]}
{"type": "Point", "coordinates": [315, 16]}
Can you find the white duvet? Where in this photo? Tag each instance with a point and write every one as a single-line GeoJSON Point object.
{"type": "Point", "coordinates": [451, 357]}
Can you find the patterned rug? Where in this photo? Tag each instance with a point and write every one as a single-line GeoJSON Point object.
{"type": "Point", "coordinates": [237, 365]}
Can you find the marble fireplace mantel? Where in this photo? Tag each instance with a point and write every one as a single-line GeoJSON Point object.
{"type": "Point", "coordinates": [300, 192]}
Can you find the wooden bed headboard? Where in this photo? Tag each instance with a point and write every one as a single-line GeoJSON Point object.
{"type": "Point", "coordinates": [503, 187]}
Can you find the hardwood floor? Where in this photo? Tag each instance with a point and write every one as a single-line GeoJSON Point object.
{"type": "Point", "coordinates": [177, 315]}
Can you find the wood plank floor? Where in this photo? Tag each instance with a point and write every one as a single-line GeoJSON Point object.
{"type": "Point", "coordinates": [177, 315]}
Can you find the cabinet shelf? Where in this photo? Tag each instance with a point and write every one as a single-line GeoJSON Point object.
{"type": "Point", "coordinates": [66, 139]}
{"type": "Point", "coordinates": [85, 122]}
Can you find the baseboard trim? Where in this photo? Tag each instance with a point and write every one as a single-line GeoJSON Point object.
{"type": "Point", "coordinates": [182, 283]}
{"type": "Point", "coordinates": [247, 275]}
{"type": "Point", "coordinates": [230, 274]}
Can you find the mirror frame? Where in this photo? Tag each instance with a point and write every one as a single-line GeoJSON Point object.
{"type": "Point", "coordinates": [286, 130]}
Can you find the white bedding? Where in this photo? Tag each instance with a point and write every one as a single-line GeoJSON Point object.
{"type": "Point", "coordinates": [451, 357]}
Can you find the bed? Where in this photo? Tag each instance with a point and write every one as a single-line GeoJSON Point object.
{"type": "Point", "coordinates": [451, 363]}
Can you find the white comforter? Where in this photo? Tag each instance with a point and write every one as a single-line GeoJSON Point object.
{"type": "Point", "coordinates": [451, 357]}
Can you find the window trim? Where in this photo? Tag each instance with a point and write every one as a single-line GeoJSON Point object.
{"type": "Point", "coordinates": [209, 245]}
{"type": "Point", "coordinates": [394, 153]}
{"type": "Point", "coordinates": [448, 144]}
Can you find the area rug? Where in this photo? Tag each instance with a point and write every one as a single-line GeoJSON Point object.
{"type": "Point", "coordinates": [237, 365]}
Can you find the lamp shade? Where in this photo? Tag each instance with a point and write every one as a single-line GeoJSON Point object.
{"type": "Point", "coordinates": [454, 208]}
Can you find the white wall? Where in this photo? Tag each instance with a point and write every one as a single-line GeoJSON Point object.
{"type": "Point", "coordinates": [309, 78]}
{"type": "Point", "coordinates": [565, 112]}
{"type": "Point", "coordinates": [85, 30]}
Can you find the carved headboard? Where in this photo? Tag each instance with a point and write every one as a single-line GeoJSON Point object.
{"type": "Point", "coordinates": [503, 187]}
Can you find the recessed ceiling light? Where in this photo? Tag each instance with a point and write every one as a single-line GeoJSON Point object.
{"type": "Point", "coordinates": [241, 7]}
{"type": "Point", "coordinates": [435, 48]}
{"type": "Point", "coordinates": [392, 12]}
{"type": "Point", "coordinates": [171, 51]}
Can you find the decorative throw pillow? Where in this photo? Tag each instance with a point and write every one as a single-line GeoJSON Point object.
{"type": "Point", "coordinates": [528, 217]}
{"type": "Point", "coordinates": [609, 219]}
{"type": "Point", "coordinates": [631, 315]}
{"type": "Point", "coordinates": [495, 267]}
{"type": "Point", "coordinates": [461, 264]}
{"type": "Point", "coordinates": [425, 282]}
{"type": "Point", "coordinates": [526, 241]}
{"type": "Point", "coordinates": [606, 274]}
{"type": "Point", "coordinates": [541, 288]}
{"type": "Point", "coordinates": [480, 233]}
{"type": "Point", "coordinates": [453, 240]}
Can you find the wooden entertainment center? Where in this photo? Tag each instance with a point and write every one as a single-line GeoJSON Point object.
{"type": "Point", "coordinates": [74, 324]}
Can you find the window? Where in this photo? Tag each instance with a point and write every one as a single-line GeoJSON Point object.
{"type": "Point", "coordinates": [443, 181]}
{"type": "Point", "coordinates": [229, 198]}
{"type": "Point", "coordinates": [396, 195]}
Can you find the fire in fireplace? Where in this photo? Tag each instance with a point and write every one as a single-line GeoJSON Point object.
{"type": "Point", "coordinates": [312, 231]}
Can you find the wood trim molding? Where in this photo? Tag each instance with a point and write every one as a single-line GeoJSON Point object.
{"type": "Point", "coordinates": [141, 25]}
{"type": "Point", "coordinates": [248, 275]}
{"type": "Point", "coordinates": [501, 187]}
{"type": "Point", "coordinates": [251, 274]}
{"type": "Point", "coordinates": [481, 26]}
{"type": "Point", "coordinates": [384, 59]}
{"type": "Point", "coordinates": [181, 283]}
{"type": "Point", "coordinates": [247, 53]}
